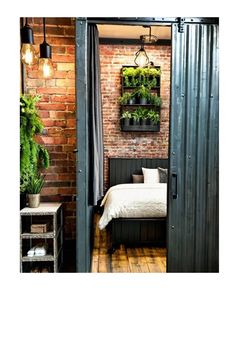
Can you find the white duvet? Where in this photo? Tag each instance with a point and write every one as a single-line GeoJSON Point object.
{"type": "Point", "coordinates": [138, 200]}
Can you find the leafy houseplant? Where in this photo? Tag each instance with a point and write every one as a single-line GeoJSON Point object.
{"type": "Point", "coordinates": [155, 100]}
{"type": "Point", "coordinates": [127, 97]}
{"type": "Point", "coordinates": [34, 188]}
{"type": "Point", "coordinates": [33, 156]}
{"type": "Point", "coordinates": [129, 75]}
{"type": "Point", "coordinates": [153, 116]}
{"type": "Point", "coordinates": [143, 93]}
{"type": "Point", "coordinates": [126, 116]}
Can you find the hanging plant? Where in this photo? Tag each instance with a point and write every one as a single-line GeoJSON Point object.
{"type": "Point", "coordinates": [33, 156]}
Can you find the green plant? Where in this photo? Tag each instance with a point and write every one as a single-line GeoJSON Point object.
{"type": "Point", "coordinates": [129, 75]}
{"type": "Point", "coordinates": [142, 92]}
{"type": "Point", "coordinates": [140, 113]}
{"type": "Point", "coordinates": [124, 99]}
{"type": "Point", "coordinates": [35, 184]}
{"type": "Point", "coordinates": [33, 156]}
{"type": "Point", "coordinates": [153, 116]}
{"type": "Point", "coordinates": [126, 114]}
{"type": "Point", "coordinates": [155, 100]}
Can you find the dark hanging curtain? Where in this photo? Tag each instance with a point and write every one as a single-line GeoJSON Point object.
{"type": "Point", "coordinates": [95, 143]}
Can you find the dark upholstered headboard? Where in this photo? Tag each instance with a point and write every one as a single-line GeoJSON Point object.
{"type": "Point", "coordinates": [121, 169]}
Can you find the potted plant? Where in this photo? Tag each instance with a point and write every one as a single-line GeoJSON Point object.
{"type": "Point", "coordinates": [33, 156]}
{"type": "Point", "coordinates": [33, 190]}
{"type": "Point", "coordinates": [140, 115]}
{"type": "Point", "coordinates": [127, 98]}
{"type": "Point", "coordinates": [153, 116]}
{"type": "Point", "coordinates": [155, 100]}
{"type": "Point", "coordinates": [129, 75]}
{"type": "Point", "coordinates": [143, 93]}
{"type": "Point", "coordinates": [125, 118]}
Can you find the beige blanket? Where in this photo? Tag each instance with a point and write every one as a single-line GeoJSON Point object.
{"type": "Point", "coordinates": [138, 200]}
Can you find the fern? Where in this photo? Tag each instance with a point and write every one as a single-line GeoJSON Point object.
{"type": "Point", "coordinates": [33, 156]}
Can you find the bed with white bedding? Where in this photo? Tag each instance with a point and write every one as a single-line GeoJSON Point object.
{"type": "Point", "coordinates": [137, 200]}
{"type": "Point", "coordinates": [134, 213]}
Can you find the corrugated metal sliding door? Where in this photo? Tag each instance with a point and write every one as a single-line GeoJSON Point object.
{"type": "Point", "coordinates": [83, 210]}
{"type": "Point", "coordinates": [193, 235]}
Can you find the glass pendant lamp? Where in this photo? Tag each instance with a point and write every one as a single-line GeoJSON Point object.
{"type": "Point", "coordinates": [28, 53]}
{"type": "Point", "coordinates": [46, 70]}
{"type": "Point", "coordinates": [141, 59]}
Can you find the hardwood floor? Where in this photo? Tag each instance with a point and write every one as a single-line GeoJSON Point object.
{"type": "Point", "coordinates": [124, 260]}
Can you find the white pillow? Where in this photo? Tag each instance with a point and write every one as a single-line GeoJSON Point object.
{"type": "Point", "coordinates": [151, 175]}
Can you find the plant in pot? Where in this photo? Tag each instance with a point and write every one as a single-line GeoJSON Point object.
{"type": "Point", "coordinates": [125, 118]}
{"type": "Point", "coordinates": [33, 156]}
{"type": "Point", "coordinates": [143, 115]}
{"type": "Point", "coordinates": [129, 75]}
{"type": "Point", "coordinates": [155, 100]}
{"type": "Point", "coordinates": [127, 98]}
{"type": "Point", "coordinates": [33, 190]}
{"type": "Point", "coordinates": [153, 116]}
{"type": "Point", "coordinates": [143, 93]}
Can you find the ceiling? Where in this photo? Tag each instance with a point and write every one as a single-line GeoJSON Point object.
{"type": "Point", "coordinates": [132, 32]}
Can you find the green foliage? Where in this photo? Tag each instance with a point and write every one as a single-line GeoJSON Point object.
{"type": "Point", "coordinates": [124, 99]}
{"type": "Point", "coordinates": [140, 113]}
{"type": "Point", "coordinates": [155, 100]}
{"type": "Point", "coordinates": [35, 184]}
{"type": "Point", "coordinates": [143, 92]}
{"type": "Point", "coordinates": [153, 116]}
{"type": "Point", "coordinates": [126, 114]}
{"type": "Point", "coordinates": [140, 76]}
{"type": "Point", "coordinates": [33, 156]}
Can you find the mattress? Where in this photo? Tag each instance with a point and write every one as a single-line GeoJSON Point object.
{"type": "Point", "coordinates": [138, 200]}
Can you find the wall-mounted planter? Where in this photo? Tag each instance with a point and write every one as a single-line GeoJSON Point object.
{"type": "Point", "coordinates": [128, 125]}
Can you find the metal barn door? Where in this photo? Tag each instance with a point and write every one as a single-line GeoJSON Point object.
{"type": "Point", "coordinates": [193, 178]}
{"type": "Point", "coordinates": [83, 209]}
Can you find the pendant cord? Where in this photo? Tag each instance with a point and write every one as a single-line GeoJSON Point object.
{"type": "Point", "coordinates": [44, 29]}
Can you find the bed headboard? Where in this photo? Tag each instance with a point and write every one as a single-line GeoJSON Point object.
{"type": "Point", "coordinates": [121, 169]}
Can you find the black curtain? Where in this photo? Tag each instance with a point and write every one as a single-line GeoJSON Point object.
{"type": "Point", "coordinates": [95, 128]}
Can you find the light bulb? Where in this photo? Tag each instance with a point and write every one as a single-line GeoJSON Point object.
{"type": "Point", "coordinates": [141, 58]}
{"type": "Point", "coordinates": [46, 68]}
{"type": "Point", "coordinates": [28, 54]}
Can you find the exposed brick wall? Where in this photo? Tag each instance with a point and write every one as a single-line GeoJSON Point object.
{"type": "Point", "coordinates": [131, 144]}
{"type": "Point", "coordinates": [57, 111]}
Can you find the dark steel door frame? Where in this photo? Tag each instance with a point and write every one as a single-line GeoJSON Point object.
{"type": "Point", "coordinates": [82, 217]}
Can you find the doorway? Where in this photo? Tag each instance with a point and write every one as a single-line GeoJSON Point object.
{"type": "Point", "coordinates": [204, 249]}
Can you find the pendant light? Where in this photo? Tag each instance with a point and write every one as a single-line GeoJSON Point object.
{"type": "Point", "coordinates": [28, 54]}
{"type": "Point", "coordinates": [45, 63]}
{"type": "Point", "coordinates": [141, 59]}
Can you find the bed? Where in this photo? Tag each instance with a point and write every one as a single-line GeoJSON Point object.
{"type": "Point", "coordinates": [142, 222]}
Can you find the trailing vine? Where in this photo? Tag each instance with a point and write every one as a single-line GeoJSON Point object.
{"type": "Point", "coordinates": [33, 156]}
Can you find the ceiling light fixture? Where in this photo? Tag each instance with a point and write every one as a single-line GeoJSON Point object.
{"type": "Point", "coordinates": [28, 54]}
{"type": "Point", "coordinates": [149, 38]}
{"type": "Point", "coordinates": [45, 63]}
{"type": "Point", "coordinates": [141, 57]}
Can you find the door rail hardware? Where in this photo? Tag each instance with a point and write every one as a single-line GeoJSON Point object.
{"type": "Point", "coordinates": [181, 21]}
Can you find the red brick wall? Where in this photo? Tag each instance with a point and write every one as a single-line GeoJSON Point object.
{"type": "Point", "coordinates": [131, 144]}
{"type": "Point", "coordinates": [57, 111]}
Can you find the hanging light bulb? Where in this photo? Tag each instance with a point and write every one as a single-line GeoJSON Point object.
{"type": "Point", "coordinates": [141, 59]}
{"type": "Point", "coordinates": [45, 63]}
{"type": "Point", "coordinates": [28, 54]}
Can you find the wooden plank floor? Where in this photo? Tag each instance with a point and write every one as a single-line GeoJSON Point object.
{"type": "Point", "coordinates": [124, 260]}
